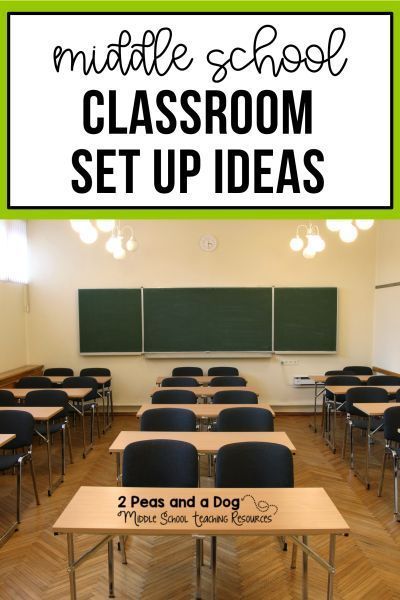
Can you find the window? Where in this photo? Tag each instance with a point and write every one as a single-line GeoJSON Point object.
{"type": "Point", "coordinates": [13, 251]}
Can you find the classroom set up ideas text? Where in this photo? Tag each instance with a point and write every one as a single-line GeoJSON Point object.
{"type": "Point", "coordinates": [203, 110]}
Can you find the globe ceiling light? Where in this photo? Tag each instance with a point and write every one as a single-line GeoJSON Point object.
{"type": "Point", "coordinates": [315, 243]}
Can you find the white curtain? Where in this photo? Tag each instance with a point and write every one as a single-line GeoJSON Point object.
{"type": "Point", "coordinates": [13, 251]}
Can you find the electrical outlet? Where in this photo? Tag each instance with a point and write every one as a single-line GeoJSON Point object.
{"type": "Point", "coordinates": [289, 363]}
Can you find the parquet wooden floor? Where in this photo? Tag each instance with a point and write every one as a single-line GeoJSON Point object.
{"type": "Point", "coordinates": [33, 561]}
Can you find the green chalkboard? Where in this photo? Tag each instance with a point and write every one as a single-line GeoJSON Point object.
{"type": "Point", "coordinates": [207, 319]}
{"type": "Point", "coordinates": [305, 319]}
{"type": "Point", "coordinates": [110, 321]}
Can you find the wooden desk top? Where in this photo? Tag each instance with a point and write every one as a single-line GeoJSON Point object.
{"type": "Point", "coordinates": [72, 393]}
{"type": "Point", "coordinates": [204, 441]}
{"type": "Point", "coordinates": [204, 390]}
{"type": "Point", "coordinates": [342, 389]}
{"type": "Point", "coordinates": [101, 379]}
{"type": "Point", "coordinates": [323, 378]}
{"type": "Point", "coordinates": [201, 379]}
{"type": "Point", "coordinates": [210, 411]}
{"type": "Point", "coordinates": [374, 409]}
{"type": "Point", "coordinates": [39, 413]}
{"type": "Point", "coordinates": [291, 511]}
{"type": "Point", "coordinates": [5, 438]}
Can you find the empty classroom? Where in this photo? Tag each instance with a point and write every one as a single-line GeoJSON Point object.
{"type": "Point", "coordinates": [199, 409]}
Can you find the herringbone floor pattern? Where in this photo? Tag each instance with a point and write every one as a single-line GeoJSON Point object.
{"type": "Point", "coordinates": [33, 561]}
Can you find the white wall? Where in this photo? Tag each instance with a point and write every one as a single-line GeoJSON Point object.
{"type": "Point", "coordinates": [386, 339]}
{"type": "Point", "coordinates": [250, 253]}
{"type": "Point", "coordinates": [13, 344]}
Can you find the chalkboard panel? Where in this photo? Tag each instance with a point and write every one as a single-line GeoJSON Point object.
{"type": "Point", "coordinates": [305, 319]}
{"type": "Point", "coordinates": [207, 319]}
{"type": "Point", "coordinates": [110, 321]}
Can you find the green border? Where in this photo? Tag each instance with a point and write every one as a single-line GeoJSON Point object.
{"type": "Point", "coordinates": [193, 6]}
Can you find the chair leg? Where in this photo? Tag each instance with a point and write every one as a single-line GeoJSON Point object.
{"type": "Point", "coordinates": [71, 460]}
{"type": "Point", "coordinates": [344, 439]}
{"type": "Point", "coordinates": [351, 446]}
{"type": "Point", "coordinates": [396, 499]}
{"type": "Point", "coordinates": [98, 419]}
{"type": "Point", "coordinates": [34, 481]}
{"type": "Point", "coordinates": [385, 454]}
{"type": "Point", "coordinates": [19, 478]}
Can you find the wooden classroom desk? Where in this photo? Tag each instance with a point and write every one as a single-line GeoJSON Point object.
{"type": "Point", "coordinates": [203, 391]}
{"type": "Point", "coordinates": [201, 379]}
{"type": "Point", "coordinates": [205, 442]}
{"type": "Point", "coordinates": [371, 410]}
{"type": "Point", "coordinates": [203, 411]}
{"type": "Point", "coordinates": [5, 438]}
{"type": "Point", "coordinates": [293, 512]}
{"type": "Point", "coordinates": [319, 382]}
{"type": "Point", "coordinates": [75, 395]}
{"type": "Point", "coordinates": [341, 390]}
{"type": "Point", "coordinates": [44, 413]}
{"type": "Point", "coordinates": [101, 379]}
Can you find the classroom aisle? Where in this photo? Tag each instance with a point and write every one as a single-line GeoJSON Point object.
{"type": "Point", "coordinates": [33, 561]}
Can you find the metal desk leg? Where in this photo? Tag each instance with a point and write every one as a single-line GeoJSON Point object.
{"type": "Point", "coordinates": [111, 569]}
{"type": "Point", "coordinates": [213, 566]}
{"type": "Point", "coordinates": [50, 490]}
{"type": "Point", "coordinates": [365, 478]}
{"type": "Point", "coordinates": [332, 545]}
{"type": "Point", "coordinates": [118, 461]}
{"type": "Point", "coordinates": [305, 570]}
{"type": "Point", "coordinates": [71, 566]}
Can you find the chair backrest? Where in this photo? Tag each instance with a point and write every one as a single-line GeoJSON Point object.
{"type": "Point", "coordinates": [245, 419]}
{"type": "Point", "coordinates": [166, 396]}
{"type": "Point", "coordinates": [334, 373]}
{"type": "Point", "coordinates": [59, 371]}
{"type": "Point", "coordinates": [34, 382]}
{"type": "Point", "coordinates": [254, 465]}
{"type": "Point", "coordinates": [364, 394]}
{"type": "Point", "coordinates": [160, 463]}
{"type": "Point", "coordinates": [358, 370]}
{"type": "Point", "coordinates": [235, 397]}
{"type": "Point", "coordinates": [100, 371]}
{"type": "Point", "coordinates": [7, 398]}
{"type": "Point", "coordinates": [82, 382]}
{"type": "Point", "coordinates": [187, 371]}
{"type": "Point", "coordinates": [391, 424]}
{"type": "Point", "coordinates": [19, 422]}
{"type": "Point", "coordinates": [223, 371]}
{"type": "Point", "coordinates": [168, 419]}
{"type": "Point", "coordinates": [340, 380]}
{"type": "Point", "coordinates": [227, 380]}
{"type": "Point", "coordinates": [179, 382]}
{"type": "Point", "coordinates": [47, 398]}
{"type": "Point", "coordinates": [383, 380]}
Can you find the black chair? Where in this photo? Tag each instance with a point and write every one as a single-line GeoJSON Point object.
{"type": "Point", "coordinates": [174, 397]}
{"type": "Point", "coordinates": [383, 380]}
{"type": "Point", "coordinates": [168, 419]}
{"type": "Point", "coordinates": [179, 382]}
{"type": "Point", "coordinates": [7, 398]}
{"type": "Point", "coordinates": [160, 463]}
{"type": "Point", "coordinates": [59, 371]}
{"type": "Point", "coordinates": [245, 419]}
{"type": "Point", "coordinates": [253, 465]}
{"type": "Point", "coordinates": [223, 371]}
{"type": "Point", "coordinates": [179, 371]}
{"type": "Point", "coordinates": [20, 423]}
{"type": "Point", "coordinates": [358, 370]}
{"type": "Point", "coordinates": [59, 424]}
{"type": "Point", "coordinates": [391, 426]}
{"type": "Point", "coordinates": [85, 405]}
{"type": "Point", "coordinates": [332, 403]}
{"type": "Point", "coordinates": [330, 373]}
{"type": "Point", "coordinates": [228, 381]}
{"type": "Point", "coordinates": [355, 419]}
{"type": "Point", "coordinates": [235, 397]}
{"type": "Point", "coordinates": [105, 395]}
{"type": "Point", "coordinates": [34, 382]}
